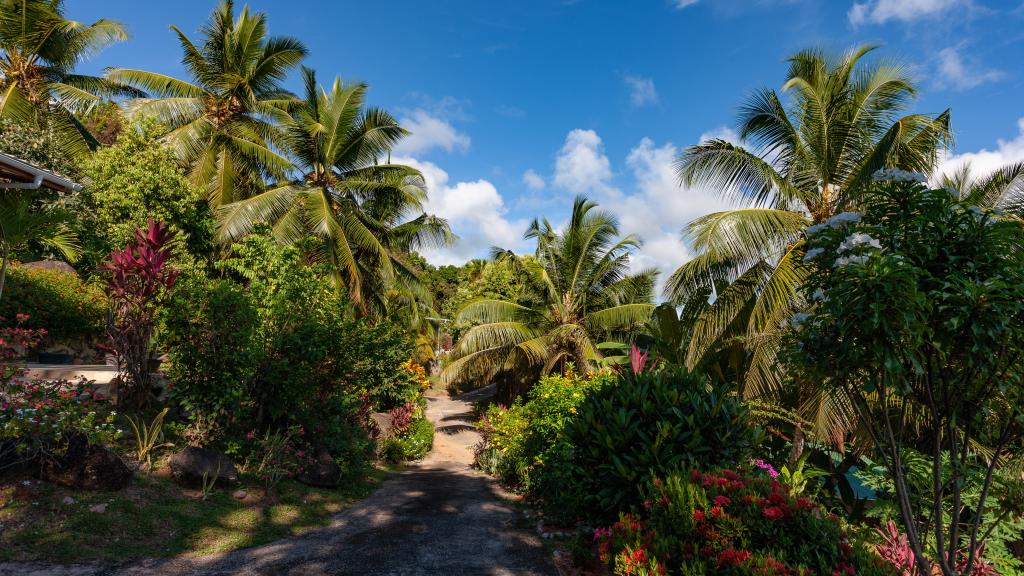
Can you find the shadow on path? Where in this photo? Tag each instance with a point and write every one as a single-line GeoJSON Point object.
{"type": "Point", "coordinates": [438, 516]}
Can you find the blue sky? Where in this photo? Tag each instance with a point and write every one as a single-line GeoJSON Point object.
{"type": "Point", "coordinates": [515, 107]}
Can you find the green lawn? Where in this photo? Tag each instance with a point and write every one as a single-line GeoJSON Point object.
{"type": "Point", "coordinates": [153, 517]}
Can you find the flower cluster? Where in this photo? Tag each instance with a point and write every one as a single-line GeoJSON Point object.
{"type": "Point", "coordinates": [837, 221]}
{"type": "Point", "coordinates": [897, 175]}
{"type": "Point", "coordinates": [733, 523]}
{"type": "Point", "coordinates": [14, 341]}
{"type": "Point", "coordinates": [40, 416]}
{"type": "Point", "coordinates": [417, 374]}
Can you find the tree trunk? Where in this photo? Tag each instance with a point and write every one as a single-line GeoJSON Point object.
{"type": "Point", "coordinates": [3, 268]}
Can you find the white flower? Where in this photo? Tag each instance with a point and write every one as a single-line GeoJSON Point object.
{"type": "Point", "coordinates": [812, 230]}
{"type": "Point", "coordinates": [813, 253]}
{"type": "Point", "coordinates": [819, 294]}
{"type": "Point", "coordinates": [844, 218]}
{"type": "Point", "coordinates": [844, 260]}
{"type": "Point", "coordinates": [897, 175]}
{"type": "Point", "coordinates": [858, 239]}
{"type": "Point", "coordinates": [954, 193]}
{"type": "Point", "coordinates": [797, 319]}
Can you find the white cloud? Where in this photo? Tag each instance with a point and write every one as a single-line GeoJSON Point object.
{"type": "Point", "coordinates": [429, 132]}
{"type": "Point", "coordinates": [680, 4]}
{"type": "Point", "coordinates": [581, 165]}
{"type": "Point", "coordinates": [641, 91]}
{"type": "Point", "coordinates": [533, 180]}
{"type": "Point", "coordinates": [654, 206]}
{"type": "Point", "coordinates": [984, 161]}
{"type": "Point", "coordinates": [955, 73]}
{"type": "Point", "coordinates": [882, 11]}
{"type": "Point", "coordinates": [721, 133]}
{"type": "Point", "coordinates": [475, 211]}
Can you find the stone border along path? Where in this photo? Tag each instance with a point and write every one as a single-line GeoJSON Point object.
{"type": "Point", "coordinates": [437, 516]}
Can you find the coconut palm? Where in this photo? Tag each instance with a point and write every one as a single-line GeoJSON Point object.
{"type": "Point", "coordinates": [584, 291]}
{"type": "Point", "coordinates": [357, 209]}
{"type": "Point", "coordinates": [39, 50]}
{"type": "Point", "coordinates": [222, 123]}
{"type": "Point", "coordinates": [1003, 189]}
{"type": "Point", "coordinates": [801, 162]}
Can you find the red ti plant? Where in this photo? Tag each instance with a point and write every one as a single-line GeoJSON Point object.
{"type": "Point", "coordinates": [14, 341]}
{"type": "Point", "coordinates": [138, 275]}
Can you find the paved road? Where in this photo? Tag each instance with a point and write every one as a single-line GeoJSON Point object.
{"type": "Point", "coordinates": [438, 516]}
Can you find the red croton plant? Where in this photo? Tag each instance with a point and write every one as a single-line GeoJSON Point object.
{"type": "Point", "coordinates": [138, 275]}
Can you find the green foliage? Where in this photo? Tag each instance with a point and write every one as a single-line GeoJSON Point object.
{"type": "Point", "coordinates": [645, 425]}
{"type": "Point", "coordinates": [209, 331]}
{"type": "Point", "coordinates": [919, 302]}
{"type": "Point", "coordinates": [38, 418]}
{"type": "Point", "coordinates": [734, 524]}
{"type": "Point", "coordinates": [133, 181]}
{"type": "Point", "coordinates": [374, 354]}
{"type": "Point", "coordinates": [38, 145]}
{"type": "Point", "coordinates": [919, 471]}
{"type": "Point", "coordinates": [521, 439]}
{"type": "Point", "coordinates": [67, 307]}
{"type": "Point", "coordinates": [413, 444]}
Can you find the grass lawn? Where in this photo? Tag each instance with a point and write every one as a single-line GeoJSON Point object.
{"type": "Point", "coordinates": [153, 517]}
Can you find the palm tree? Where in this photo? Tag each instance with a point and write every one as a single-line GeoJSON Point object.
{"type": "Point", "coordinates": [222, 124]}
{"type": "Point", "coordinates": [1003, 189]}
{"type": "Point", "coordinates": [357, 209]}
{"type": "Point", "coordinates": [39, 50]}
{"type": "Point", "coordinates": [584, 291]}
{"type": "Point", "coordinates": [801, 163]}
{"type": "Point", "coordinates": [21, 224]}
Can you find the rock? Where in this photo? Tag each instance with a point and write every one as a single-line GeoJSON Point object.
{"type": "Point", "coordinates": [190, 465]}
{"type": "Point", "coordinates": [239, 494]}
{"type": "Point", "coordinates": [323, 472]}
{"type": "Point", "coordinates": [382, 423]}
{"type": "Point", "coordinates": [68, 500]}
{"type": "Point", "coordinates": [99, 508]}
{"type": "Point", "coordinates": [86, 466]}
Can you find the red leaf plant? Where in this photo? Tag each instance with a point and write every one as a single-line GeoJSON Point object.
{"type": "Point", "coordinates": [138, 275]}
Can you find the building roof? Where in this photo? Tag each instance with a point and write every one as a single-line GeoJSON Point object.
{"type": "Point", "coordinates": [23, 174]}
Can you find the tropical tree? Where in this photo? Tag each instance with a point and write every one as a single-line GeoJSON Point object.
{"type": "Point", "coordinates": [1003, 189]}
{"type": "Point", "coordinates": [357, 209]}
{"type": "Point", "coordinates": [223, 123]}
{"type": "Point", "coordinates": [21, 223]}
{"type": "Point", "coordinates": [801, 163]}
{"type": "Point", "coordinates": [39, 49]}
{"type": "Point", "coordinates": [585, 291]}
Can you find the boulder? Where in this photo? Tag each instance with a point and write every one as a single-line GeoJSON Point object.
{"type": "Point", "coordinates": [322, 472]}
{"type": "Point", "coordinates": [381, 424]}
{"type": "Point", "coordinates": [190, 465]}
{"type": "Point", "coordinates": [86, 466]}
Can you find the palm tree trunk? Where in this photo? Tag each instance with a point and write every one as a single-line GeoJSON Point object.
{"type": "Point", "coordinates": [3, 267]}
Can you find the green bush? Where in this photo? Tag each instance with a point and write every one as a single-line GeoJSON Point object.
{"type": "Point", "coordinates": [734, 524]}
{"type": "Point", "coordinates": [643, 426]}
{"type": "Point", "coordinates": [519, 440]}
{"type": "Point", "coordinates": [137, 179]}
{"type": "Point", "coordinates": [67, 307]}
{"type": "Point", "coordinates": [209, 331]}
{"type": "Point", "coordinates": [374, 355]}
{"type": "Point", "coordinates": [413, 444]}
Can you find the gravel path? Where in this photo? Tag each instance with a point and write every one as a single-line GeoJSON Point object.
{"type": "Point", "coordinates": [438, 516]}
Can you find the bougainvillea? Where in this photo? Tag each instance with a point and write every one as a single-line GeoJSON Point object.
{"type": "Point", "coordinates": [731, 523]}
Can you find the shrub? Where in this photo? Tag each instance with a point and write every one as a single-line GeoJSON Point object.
{"type": "Point", "coordinates": [138, 277]}
{"type": "Point", "coordinates": [413, 444]}
{"type": "Point", "coordinates": [208, 329]}
{"type": "Point", "coordinates": [521, 440]}
{"type": "Point", "coordinates": [644, 425]}
{"type": "Point", "coordinates": [68, 307]}
{"type": "Point", "coordinates": [38, 418]}
{"type": "Point", "coordinates": [373, 356]}
{"type": "Point", "coordinates": [133, 181]}
{"type": "Point", "coordinates": [727, 523]}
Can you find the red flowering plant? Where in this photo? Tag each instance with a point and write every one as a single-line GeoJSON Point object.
{"type": "Point", "coordinates": [137, 276]}
{"type": "Point", "coordinates": [732, 523]}
{"type": "Point", "coordinates": [403, 416]}
{"type": "Point", "coordinates": [14, 342]}
{"type": "Point", "coordinates": [38, 418]}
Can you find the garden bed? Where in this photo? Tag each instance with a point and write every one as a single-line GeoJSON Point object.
{"type": "Point", "coordinates": [155, 518]}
